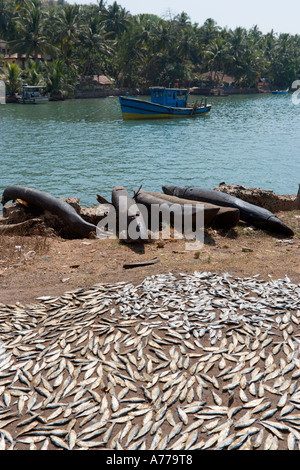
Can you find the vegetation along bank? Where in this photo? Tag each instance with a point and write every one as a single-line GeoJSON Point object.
{"type": "Point", "coordinates": [70, 48]}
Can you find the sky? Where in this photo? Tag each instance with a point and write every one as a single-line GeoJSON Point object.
{"type": "Point", "coordinates": [282, 17]}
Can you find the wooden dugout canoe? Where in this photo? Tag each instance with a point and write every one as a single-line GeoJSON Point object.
{"type": "Point", "coordinates": [170, 211]}
{"type": "Point", "coordinates": [225, 218]}
{"type": "Point", "coordinates": [250, 213]}
{"type": "Point", "coordinates": [129, 219]}
{"type": "Point", "coordinates": [55, 206]}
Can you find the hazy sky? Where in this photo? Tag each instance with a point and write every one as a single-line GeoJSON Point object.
{"type": "Point", "coordinates": [282, 17]}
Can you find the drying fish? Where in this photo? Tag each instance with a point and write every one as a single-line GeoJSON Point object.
{"type": "Point", "coordinates": [245, 421]}
{"type": "Point", "coordinates": [124, 366]}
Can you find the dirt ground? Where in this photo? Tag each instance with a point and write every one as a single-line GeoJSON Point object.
{"type": "Point", "coordinates": [36, 266]}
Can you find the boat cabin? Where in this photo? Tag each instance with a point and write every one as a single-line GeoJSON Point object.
{"type": "Point", "coordinates": [175, 97]}
{"type": "Point", "coordinates": [32, 94]}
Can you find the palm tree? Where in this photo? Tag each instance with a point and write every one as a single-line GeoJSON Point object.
{"type": "Point", "coordinates": [186, 44]}
{"type": "Point", "coordinates": [285, 64]}
{"type": "Point", "coordinates": [238, 46]}
{"type": "Point", "coordinates": [34, 73]}
{"type": "Point", "coordinates": [13, 79]}
{"type": "Point", "coordinates": [216, 54]}
{"type": "Point", "coordinates": [116, 20]}
{"type": "Point", "coordinates": [94, 46]}
{"type": "Point", "coordinates": [5, 19]}
{"type": "Point", "coordinates": [183, 19]}
{"type": "Point", "coordinates": [163, 37]}
{"type": "Point", "coordinates": [30, 26]}
{"type": "Point", "coordinates": [208, 31]}
{"type": "Point", "coordinates": [60, 78]}
{"type": "Point", "coordinates": [67, 28]}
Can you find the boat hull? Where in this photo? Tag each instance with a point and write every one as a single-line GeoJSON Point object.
{"type": "Point", "coordinates": [133, 108]}
{"type": "Point", "coordinates": [174, 210]}
{"type": "Point", "coordinates": [250, 213]}
{"type": "Point", "coordinates": [33, 101]}
{"type": "Point", "coordinates": [64, 211]}
{"type": "Point", "coordinates": [225, 218]}
{"type": "Point", "coordinates": [128, 213]}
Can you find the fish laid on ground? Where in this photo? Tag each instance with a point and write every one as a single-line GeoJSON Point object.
{"type": "Point", "coordinates": [185, 361]}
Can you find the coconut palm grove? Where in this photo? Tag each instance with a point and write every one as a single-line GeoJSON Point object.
{"type": "Point", "coordinates": [60, 43]}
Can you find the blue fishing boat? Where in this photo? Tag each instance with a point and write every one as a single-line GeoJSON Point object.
{"type": "Point", "coordinates": [280, 92]}
{"type": "Point", "coordinates": [32, 95]}
{"type": "Point", "coordinates": [165, 103]}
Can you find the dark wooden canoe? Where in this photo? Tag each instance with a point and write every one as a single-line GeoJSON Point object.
{"type": "Point", "coordinates": [46, 201]}
{"type": "Point", "coordinates": [131, 226]}
{"type": "Point", "coordinates": [250, 213]}
{"type": "Point", "coordinates": [225, 218]}
{"type": "Point", "coordinates": [169, 212]}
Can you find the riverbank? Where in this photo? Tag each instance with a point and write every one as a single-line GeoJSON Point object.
{"type": "Point", "coordinates": [95, 93]}
{"type": "Point", "coordinates": [37, 265]}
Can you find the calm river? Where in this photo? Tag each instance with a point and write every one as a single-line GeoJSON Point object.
{"type": "Point", "coordinates": [84, 147]}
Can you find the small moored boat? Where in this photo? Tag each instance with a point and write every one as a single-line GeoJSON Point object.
{"type": "Point", "coordinates": [32, 95]}
{"type": "Point", "coordinates": [165, 103]}
{"type": "Point", "coordinates": [280, 92]}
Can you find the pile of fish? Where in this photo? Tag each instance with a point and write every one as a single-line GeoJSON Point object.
{"type": "Point", "coordinates": [178, 362]}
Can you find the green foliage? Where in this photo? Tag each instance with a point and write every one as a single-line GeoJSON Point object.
{"type": "Point", "coordinates": [12, 78]}
{"type": "Point", "coordinates": [141, 50]}
{"type": "Point", "coordinates": [60, 78]}
{"type": "Point", "coordinates": [116, 20]}
{"type": "Point", "coordinates": [33, 73]}
{"type": "Point", "coordinates": [94, 47]}
{"type": "Point", "coordinates": [30, 25]}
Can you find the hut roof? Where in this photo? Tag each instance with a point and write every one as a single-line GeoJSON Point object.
{"type": "Point", "coordinates": [99, 79]}
{"type": "Point", "coordinates": [219, 76]}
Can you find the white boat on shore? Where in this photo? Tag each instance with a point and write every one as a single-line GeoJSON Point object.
{"type": "Point", "coordinates": [32, 95]}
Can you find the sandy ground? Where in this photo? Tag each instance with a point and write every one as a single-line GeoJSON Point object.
{"type": "Point", "coordinates": [35, 266]}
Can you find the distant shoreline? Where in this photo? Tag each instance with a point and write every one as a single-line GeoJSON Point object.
{"type": "Point", "coordinates": [94, 94]}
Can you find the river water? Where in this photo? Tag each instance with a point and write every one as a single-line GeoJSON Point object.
{"type": "Point", "coordinates": [83, 148]}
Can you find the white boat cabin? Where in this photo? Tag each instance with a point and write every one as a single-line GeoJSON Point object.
{"type": "Point", "coordinates": [32, 94]}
